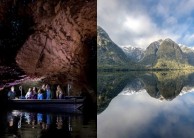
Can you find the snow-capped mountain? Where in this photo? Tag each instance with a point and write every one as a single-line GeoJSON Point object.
{"type": "Point", "coordinates": [133, 53]}
{"type": "Point", "coordinates": [186, 49]}
{"type": "Point", "coordinates": [188, 52]}
{"type": "Point", "coordinates": [186, 90]}
{"type": "Point", "coordinates": [129, 92]}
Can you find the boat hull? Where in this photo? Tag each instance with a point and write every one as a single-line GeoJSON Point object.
{"type": "Point", "coordinates": [69, 105]}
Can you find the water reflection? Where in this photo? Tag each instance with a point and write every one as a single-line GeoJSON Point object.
{"type": "Point", "coordinates": [165, 85]}
{"type": "Point", "coordinates": [160, 85]}
{"type": "Point", "coordinates": [150, 105]}
{"type": "Point", "coordinates": [13, 124]}
{"type": "Point", "coordinates": [22, 124]}
{"type": "Point", "coordinates": [108, 86]}
{"type": "Point", "coordinates": [43, 123]}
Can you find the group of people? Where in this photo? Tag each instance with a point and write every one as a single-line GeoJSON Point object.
{"type": "Point", "coordinates": [34, 93]}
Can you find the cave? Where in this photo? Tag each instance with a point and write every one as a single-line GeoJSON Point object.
{"type": "Point", "coordinates": [52, 40]}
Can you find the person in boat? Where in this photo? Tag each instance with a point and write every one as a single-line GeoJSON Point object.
{"type": "Point", "coordinates": [43, 90]}
{"type": "Point", "coordinates": [43, 87]}
{"type": "Point", "coordinates": [48, 92]}
{"type": "Point", "coordinates": [34, 93]}
{"type": "Point", "coordinates": [11, 93]}
{"type": "Point", "coordinates": [29, 94]}
{"type": "Point", "coordinates": [59, 93]}
{"type": "Point", "coordinates": [40, 94]}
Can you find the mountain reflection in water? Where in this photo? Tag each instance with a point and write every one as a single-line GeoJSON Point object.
{"type": "Point", "coordinates": [146, 105]}
{"type": "Point", "coordinates": [160, 85]}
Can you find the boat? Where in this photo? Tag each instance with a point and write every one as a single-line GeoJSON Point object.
{"type": "Point", "coordinates": [70, 104]}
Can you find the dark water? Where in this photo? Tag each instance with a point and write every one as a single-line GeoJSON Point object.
{"type": "Point", "coordinates": [145, 105]}
{"type": "Point", "coordinates": [24, 124]}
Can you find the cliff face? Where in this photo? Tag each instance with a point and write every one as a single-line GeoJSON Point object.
{"type": "Point", "coordinates": [63, 40]}
{"type": "Point", "coordinates": [109, 54]}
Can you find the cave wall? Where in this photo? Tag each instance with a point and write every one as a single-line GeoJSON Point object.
{"type": "Point", "coordinates": [46, 37]}
{"type": "Point", "coordinates": [60, 41]}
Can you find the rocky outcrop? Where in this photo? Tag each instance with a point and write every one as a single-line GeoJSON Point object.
{"type": "Point", "coordinates": [64, 38]}
{"type": "Point", "coordinates": [188, 53]}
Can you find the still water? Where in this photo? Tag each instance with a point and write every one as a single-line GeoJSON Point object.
{"type": "Point", "coordinates": [25, 124]}
{"type": "Point", "coordinates": [145, 105]}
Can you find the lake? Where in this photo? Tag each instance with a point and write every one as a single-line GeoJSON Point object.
{"type": "Point", "coordinates": [145, 104]}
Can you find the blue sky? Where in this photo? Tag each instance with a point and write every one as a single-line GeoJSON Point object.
{"type": "Point", "coordinates": [140, 22]}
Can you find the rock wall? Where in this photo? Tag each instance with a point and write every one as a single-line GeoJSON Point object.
{"type": "Point", "coordinates": [59, 44]}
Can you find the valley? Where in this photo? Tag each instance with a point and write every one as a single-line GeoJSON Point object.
{"type": "Point", "coordinates": [159, 55]}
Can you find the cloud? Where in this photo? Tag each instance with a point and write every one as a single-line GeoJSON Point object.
{"type": "Point", "coordinates": [189, 38]}
{"type": "Point", "coordinates": [185, 7]}
{"type": "Point", "coordinates": [143, 116]}
{"type": "Point", "coordinates": [138, 23]}
{"type": "Point", "coordinates": [134, 24]}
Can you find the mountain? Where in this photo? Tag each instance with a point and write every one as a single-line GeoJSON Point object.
{"type": "Point", "coordinates": [133, 53]}
{"type": "Point", "coordinates": [161, 54]}
{"type": "Point", "coordinates": [189, 53]}
{"type": "Point", "coordinates": [185, 48]}
{"type": "Point", "coordinates": [169, 50]}
{"type": "Point", "coordinates": [165, 54]}
{"type": "Point", "coordinates": [151, 54]}
{"type": "Point", "coordinates": [108, 53]}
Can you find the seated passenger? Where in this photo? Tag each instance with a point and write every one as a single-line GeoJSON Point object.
{"type": "Point", "coordinates": [48, 92]}
{"type": "Point", "coordinates": [43, 91]}
{"type": "Point", "coordinates": [59, 93]}
{"type": "Point", "coordinates": [43, 87]}
{"type": "Point", "coordinates": [11, 93]}
{"type": "Point", "coordinates": [29, 94]}
{"type": "Point", "coordinates": [40, 95]}
{"type": "Point", "coordinates": [34, 93]}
